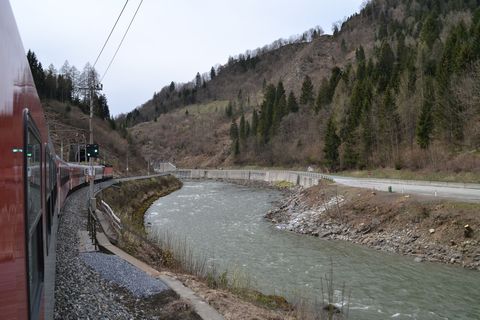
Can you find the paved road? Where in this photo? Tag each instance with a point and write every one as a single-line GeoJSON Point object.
{"type": "Point", "coordinates": [457, 191]}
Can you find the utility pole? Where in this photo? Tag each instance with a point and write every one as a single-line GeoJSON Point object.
{"type": "Point", "coordinates": [92, 87]}
{"type": "Point", "coordinates": [92, 172]}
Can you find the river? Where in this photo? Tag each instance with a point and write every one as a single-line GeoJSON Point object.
{"type": "Point", "coordinates": [225, 221]}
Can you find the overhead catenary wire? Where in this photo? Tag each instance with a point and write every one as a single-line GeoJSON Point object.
{"type": "Point", "coordinates": [111, 31]}
{"type": "Point", "coordinates": [123, 38]}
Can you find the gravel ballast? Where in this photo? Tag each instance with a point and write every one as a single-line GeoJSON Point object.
{"type": "Point", "coordinates": [122, 273]}
{"type": "Point", "coordinates": [100, 286]}
{"type": "Point", "coordinates": [79, 291]}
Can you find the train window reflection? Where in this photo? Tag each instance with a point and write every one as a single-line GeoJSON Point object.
{"type": "Point", "coordinates": [33, 158]}
{"type": "Point", "coordinates": [34, 178]}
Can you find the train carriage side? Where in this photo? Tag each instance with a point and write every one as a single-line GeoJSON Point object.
{"type": "Point", "coordinates": [25, 181]}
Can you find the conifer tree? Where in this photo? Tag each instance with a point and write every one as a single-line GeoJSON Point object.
{"type": "Point", "coordinates": [213, 74]}
{"type": "Point", "coordinates": [425, 122]}
{"type": "Point", "coordinates": [229, 110]}
{"type": "Point", "coordinates": [198, 80]}
{"type": "Point", "coordinates": [236, 147]}
{"type": "Point", "coordinates": [292, 104]}
{"type": "Point", "coordinates": [430, 30]}
{"type": "Point", "coordinates": [367, 137]}
{"type": "Point", "coordinates": [332, 142]}
{"type": "Point", "coordinates": [247, 129]}
{"type": "Point", "coordinates": [350, 156]}
{"type": "Point", "coordinates": [385, 65]}
{"type": "Point", "coordinates": [306, 98]}
{"type": "Point", "coordinates": [234, 136]}
{"type": "Point", "coordinates": [266, 117]}
{"type": "Point", "coordinates": [37, 73]}
{"type": "Point", "coordinates": [279, 106]}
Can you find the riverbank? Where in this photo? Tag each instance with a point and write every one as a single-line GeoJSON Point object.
{"type": "Point", "coordinates": [425, 228]}
{"type": "Point", "coordinates": [130, 199]}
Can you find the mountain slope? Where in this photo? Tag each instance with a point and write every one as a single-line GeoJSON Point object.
{"type": "Point", "coordinates": [398, 83]}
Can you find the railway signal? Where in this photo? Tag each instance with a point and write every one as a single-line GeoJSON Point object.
{"type": "Point", "coordinates": [92, 150]}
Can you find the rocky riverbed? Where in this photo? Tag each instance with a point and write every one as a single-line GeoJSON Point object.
{"type": "Point", "coordinates": [426, 229]}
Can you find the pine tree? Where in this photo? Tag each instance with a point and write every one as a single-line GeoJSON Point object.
{"type": "Point", "coordinates": [332, 142]}
{"type": "Point", "coordinates": [37, 73]}
{"type": "Point", "coordinates": [292, 104]}
{"type": "Point", "coordinates": [327, 89]}
{"type": "Point", "coordinates": [229, 110]}
{"type": "Point", "coordinates": [198, 80]}
{"type": "Point", "coordinates": [306, 98]}
{"type": "Point", "coordinates": [385, 65]}
{"type": "Point", "coordinates": [430, 30]}
{"type": "Point", "coordinates": [266, 116]}
{"type": "Point", "coordinates": [247, 129]}
{"type": "Point", "coordinates": [279, 106]}
{"type": "Point", "coordinates": [234, 136]}
{"type": "Point", "coordinates": [350, 155]}
{"type": "Point", "coordinates": [425, 122]}
{"type": "Point", "coordinates": [236, 147]}
{"type": "Point", "coordinates": [367, 138]}
{"type": "Point", "coordinates": [213, 74]}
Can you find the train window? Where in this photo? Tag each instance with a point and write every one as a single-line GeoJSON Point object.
{"type": "Point", "coordinates": [33, 158]}
{"type": "Point", "coordinates": [34, 228]}
{"type": "Point", "coordinates": [35, 268]}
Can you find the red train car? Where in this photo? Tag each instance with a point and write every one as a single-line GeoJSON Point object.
{"type": "Point", "coordinates": [34, 183]}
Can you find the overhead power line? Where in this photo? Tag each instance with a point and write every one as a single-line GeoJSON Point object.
{"type": "Point", "coordinates": [120, 44]}
{"type": "Point", "coordinates": [111, 31]}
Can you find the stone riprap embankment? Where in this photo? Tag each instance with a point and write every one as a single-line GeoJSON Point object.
{"type": "Point", "coordinates": [381, 224]}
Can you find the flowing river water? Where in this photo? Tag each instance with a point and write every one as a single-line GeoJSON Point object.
{"type": "Point", "coordinates": [225, 221]}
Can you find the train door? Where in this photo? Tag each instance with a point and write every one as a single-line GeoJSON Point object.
{"type": "Point", "coordinates": [33, 215]}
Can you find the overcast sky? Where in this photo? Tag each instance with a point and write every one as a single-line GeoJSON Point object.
{"type": "Point", "coordinates": [168, 41]}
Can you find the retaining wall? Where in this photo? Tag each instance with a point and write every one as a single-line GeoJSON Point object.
{"type": "Point", "coordinates": [304, 179]}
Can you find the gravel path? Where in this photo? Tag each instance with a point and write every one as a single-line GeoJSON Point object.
{"type": "Point", "coordinates": [117, 270]}
{"type": "Point", "coordinates": [81, 293]}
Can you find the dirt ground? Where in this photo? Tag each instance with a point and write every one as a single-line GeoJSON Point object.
{"type": "Point", "coordinates": [229, 305]}
{"type": "Point", "coordinates": [431, 229]}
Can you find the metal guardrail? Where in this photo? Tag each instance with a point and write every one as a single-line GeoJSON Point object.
{"type": "Point", "coordinates": [117, 223]}
{"type": "Point", "coordinates": [92, 227]}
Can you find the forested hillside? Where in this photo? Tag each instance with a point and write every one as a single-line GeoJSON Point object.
{"type": "Point", "coordinates": [396, 85]}
{"type": "Point", "coordinates": [66, 104]}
